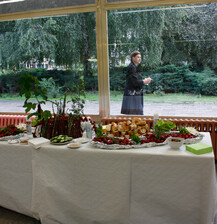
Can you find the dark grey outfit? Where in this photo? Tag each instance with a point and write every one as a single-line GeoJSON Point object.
{"type": "Point", "coordinates": [133, 93]}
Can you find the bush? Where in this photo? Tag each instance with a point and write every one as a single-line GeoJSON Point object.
{"type": "Point", "coordinates": [171, 79]}
{"type": "Point", "coordinates": [166, 79]}
{"type": "Point", "coordinates": [9, 83]}
{"type": "Point", "coordinates": [91, 83]}
{"type": "Point", "coordinates": [117, 77]}
{"type": "Point", "coordinates": [209, 87]}
{"type": "Point", "coordinates": [52, 88]}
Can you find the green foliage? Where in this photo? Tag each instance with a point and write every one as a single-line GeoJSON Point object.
{"type": "Point", "coordinates": [78, 98]}
{"type": "Point", "coordinates": [29, 86]}
{"type": "Point", "coordinates": [50, 85]}
{"type": "Point", "coordinates": [91, 83]}
{"type": "Point", "coordinates": [136, 138]}
{"type": "Point", "coordinates": [99, 132]}
{"type": "Point", "coordinates": [183, 130]}
{"type": "Point", "coordinates": [162, 127]}
{"type": "Point", "coordinates": [117, 78]}
{"type": "Point", "coordinates": [207, 82]}
{"type": "Point", "coordinates": [60, 105]}
{"type": "Point", "coordinates": [76, 95]}
{"type": "Point", "coordinates": [35, 121]}
{"type": "Point", "coordinates": [186, 34]}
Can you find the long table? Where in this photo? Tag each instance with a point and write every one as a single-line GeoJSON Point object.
{"type": "Point", "coordinates": [89, 185]}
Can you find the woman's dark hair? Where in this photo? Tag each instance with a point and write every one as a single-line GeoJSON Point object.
{"type": "Point", "coordinates": [133, 54]}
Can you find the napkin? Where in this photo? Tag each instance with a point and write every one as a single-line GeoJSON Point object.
{"type": "Point", "coordinates": [199, 148]}
{"type": "Point", "coordinates": [38, 142]}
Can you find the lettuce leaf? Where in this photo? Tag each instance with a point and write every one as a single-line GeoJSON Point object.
{"type": "Point", "coordinates": [162, 127]}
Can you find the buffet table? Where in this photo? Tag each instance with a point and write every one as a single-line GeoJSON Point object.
{"type": "Point", "coordinates": [89, 185]}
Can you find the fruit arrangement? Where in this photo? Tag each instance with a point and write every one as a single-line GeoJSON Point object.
{"type": "Point", "coordinates": [60, 139]}
{"type": "Point", "coordinates": [10, 130]}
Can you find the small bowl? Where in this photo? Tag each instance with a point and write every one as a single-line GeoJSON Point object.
{"type": "Point", "coordinates": [175, 142]}
{"type": "Point", "coordinates": [24, 140]}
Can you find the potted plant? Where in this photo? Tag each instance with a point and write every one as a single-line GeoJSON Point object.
{"type": "Point", "coordinates": [64, 120]}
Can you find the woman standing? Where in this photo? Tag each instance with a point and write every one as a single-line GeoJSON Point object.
{"type": "Point", "coordinates": [133, 93]}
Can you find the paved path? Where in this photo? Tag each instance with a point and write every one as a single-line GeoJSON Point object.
{"type": "Point", "coordinates": [184, 109]}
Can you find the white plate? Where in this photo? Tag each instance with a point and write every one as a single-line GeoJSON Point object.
{"type": "Point", "coordinates": [81, 140]}
{"type": "Point", "coordinates": [13, 141]}
{"type": "Point", "coordinates": [74, 145]}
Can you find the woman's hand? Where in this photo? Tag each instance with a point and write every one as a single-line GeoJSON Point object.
{"type": "Point", "coordinates": [147, 80]}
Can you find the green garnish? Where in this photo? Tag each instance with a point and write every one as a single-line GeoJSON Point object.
{"type": "Point", "coordinates": [136, 138]}
{"type": "Point", "coordinates": [99, 132]}
{"type": "Point", "coordinates": [183, 130]}
{"type": "Point", "coordinates": [162, 127]}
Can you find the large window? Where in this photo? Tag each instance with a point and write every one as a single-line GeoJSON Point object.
{"type": "Point", "coordinates": [177, 44]}
{"type": "Point", "coordinates": [60, 51]}
{"type": "Point", "coordinates": [178, 49]}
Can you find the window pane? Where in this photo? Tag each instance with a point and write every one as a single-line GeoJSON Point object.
{"type": "Point", "coordinates": [60, 51]}
{"type": "Point", "coordinates": [178, 51]}
{"type": "Point", "coordinates": [8, 6]}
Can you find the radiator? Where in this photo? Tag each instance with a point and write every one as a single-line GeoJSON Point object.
{"type": "Point", "coordinates": [200, 124]}
{"type": "Point", "coordinates": [12, 119]}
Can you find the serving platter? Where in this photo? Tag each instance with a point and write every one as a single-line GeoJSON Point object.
{"type": "Point", "coordinates": [198, 137]}
{"type": "Point", "coordinates": [11, 137]}
{"type": "Point", "coordinates": [120, 147]}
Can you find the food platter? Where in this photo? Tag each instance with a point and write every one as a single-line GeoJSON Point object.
{"type": "Point", "coordinates": [11, 137]}
{"type": "Point", "coordinates": [197, 138]}
{"type": "Point", "coordinates": [60, 140]}
{"type": "Point", "coordinates": [120, 147]}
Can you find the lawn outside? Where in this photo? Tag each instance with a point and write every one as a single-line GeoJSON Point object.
{"type": "Point", "coordinates": [118, 96]}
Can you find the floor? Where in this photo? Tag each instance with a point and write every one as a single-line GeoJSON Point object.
{"type": "Point", "coordinates": [10, 217]}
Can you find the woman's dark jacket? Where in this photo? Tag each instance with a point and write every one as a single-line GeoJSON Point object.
{"type": "Point", "coordinates": [133, 93]}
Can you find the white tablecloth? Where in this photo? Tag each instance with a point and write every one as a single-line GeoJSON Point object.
{"type": "Point", "coordinates": [152, 185]}
{"type": "Point", "coordinates": [16, 177]}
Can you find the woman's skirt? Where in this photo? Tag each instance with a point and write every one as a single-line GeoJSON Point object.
{"type": "Point", "coordinates": [132, 105]}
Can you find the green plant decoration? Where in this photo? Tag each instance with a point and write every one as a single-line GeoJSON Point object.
{"type": "Point", "coordinates": [30, 87]}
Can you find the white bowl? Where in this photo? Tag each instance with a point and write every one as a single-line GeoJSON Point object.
{"type": "Point", "coordinates": [175, 142]}
{"type": "Point", "coordinates": [24, 140]}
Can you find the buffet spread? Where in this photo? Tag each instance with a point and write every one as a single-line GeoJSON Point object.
{"type": "Point", "coordinates": [127, 134]}
{"type": "Point", "coordinates": [136, 133]}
